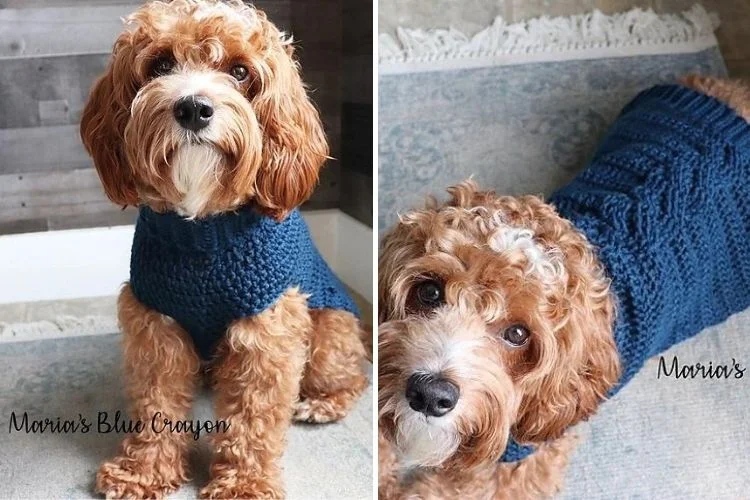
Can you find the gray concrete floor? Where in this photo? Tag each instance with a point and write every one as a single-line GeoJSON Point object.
{"type": "Point", "coordinates": [471, 16]}
{"type": "Point", "coordinates": [75, 378]}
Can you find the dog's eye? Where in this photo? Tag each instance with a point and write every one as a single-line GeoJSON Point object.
{"type": "Point", "coordinates": [430, 293]}
{"type": "Point", "coordinates": [516, 335]}
{"type": "Point", "coordinates": [162, 66]}
{"type": "Point", "coordinates": [239, 72]}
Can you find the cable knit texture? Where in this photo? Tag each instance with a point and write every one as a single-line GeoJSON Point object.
{"type": "Point", "coordinates": [665, 201]}
{"type": "Point", "coordinates": [209, 272]}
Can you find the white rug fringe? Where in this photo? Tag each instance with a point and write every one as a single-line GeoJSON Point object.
{"type": "Point", "coordinates": [60, 327]}
{"type": "Point", "coordinates": [543, 39]}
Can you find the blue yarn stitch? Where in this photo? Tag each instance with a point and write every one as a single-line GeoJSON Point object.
{"type": "Point", "coordinates": [666, 202]}
{"type": "Point", "coordinates": [209, 272]}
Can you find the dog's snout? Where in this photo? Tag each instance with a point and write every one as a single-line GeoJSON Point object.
{"type": "Point", "coordinates": [193, 112]}
{"type": "Point", "coordinates": [433, 396]}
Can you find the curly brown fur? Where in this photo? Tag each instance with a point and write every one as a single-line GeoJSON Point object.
{"type": "Point", "coordinates": [265, 144]}
{"type": "Point", "coordinates": [261, 369]}
{"type": "Point", "coordinates": [257, 378]}
{"type": "Point", "coordinates": [539, 476]}
{"type": "Point", "coordinates": [554, 380]}
{"type": "Point", "coordinates": [264, 147]}
{"type": "Point", "coordinates": [162, 369]}
{"type": "Point", "coordinates": [500, 261]}
{"type": "Point", "coordinates": [735, 93]}
{"type": "Point", "coordinates": [333, 378]}
{"type": "Point", "coordinates": [388, 468]}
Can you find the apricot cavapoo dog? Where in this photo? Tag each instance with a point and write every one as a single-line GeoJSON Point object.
{"type": "Point", "coordinates": [202, 120]}
{"type": "Point", "coordinates": [507, 320]}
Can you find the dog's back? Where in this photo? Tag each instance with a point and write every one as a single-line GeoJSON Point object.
{"type": "Point", "coordinates": [664, 201]}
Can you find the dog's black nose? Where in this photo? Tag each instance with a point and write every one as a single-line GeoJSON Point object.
{"type": "Point", "coordinates": [433, 396]}
{"type": "Point", "coordinates": [193, 112]}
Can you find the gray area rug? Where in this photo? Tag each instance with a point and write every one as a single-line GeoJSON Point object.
{"type": "Point", "coordinates": [81, 376]}
{"type": "Point", "coordinates": [518, 129]}
{"type": "Point", "coordinates": [673, 438]}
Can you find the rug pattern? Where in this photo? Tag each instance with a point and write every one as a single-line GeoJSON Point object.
{"type": "Point", "coordinates": [517, 129]}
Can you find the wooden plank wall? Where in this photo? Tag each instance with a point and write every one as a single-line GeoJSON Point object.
{"type": "Point", "coordinates": [50, 53]}
{"type": "Point", "coordinates": [357, 115]}
{"type": "Point", "coordinates": [316, 26]}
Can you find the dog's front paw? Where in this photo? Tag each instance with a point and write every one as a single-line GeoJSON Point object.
{"type": "Point", "coordinates": [325, 409]}
{"type": "Point", "coordinates": [235, 486]}
{"type": "Point", "coordinates": [125, 477]}
{"type": "Point", "coordinates": [318, 411]}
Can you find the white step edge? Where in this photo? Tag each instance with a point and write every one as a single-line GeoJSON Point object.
{"type": "Point", "coordinates": [94, 262]}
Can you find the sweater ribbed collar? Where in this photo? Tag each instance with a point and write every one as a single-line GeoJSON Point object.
{"type": "Point", "coordinates": [205, 234]}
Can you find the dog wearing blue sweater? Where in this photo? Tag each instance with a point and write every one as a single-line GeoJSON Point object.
{"type": "Point", "coordinates": [507, 320]}
{"type": "Point", "coordinates": [202, 121]}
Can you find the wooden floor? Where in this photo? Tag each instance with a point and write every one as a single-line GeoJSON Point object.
{"type": "Point", "coordinates": [473, 15]}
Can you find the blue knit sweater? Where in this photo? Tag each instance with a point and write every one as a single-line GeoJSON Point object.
{"type": "Point", "coordinates": [666, 201]}
{"type": "Point", "coordinates": [209, 272]}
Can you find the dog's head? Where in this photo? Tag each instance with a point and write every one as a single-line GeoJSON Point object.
{"type": "Point", "coordinates": [201, 110]}
{"type": "Point", "coordinates": [497, 321]}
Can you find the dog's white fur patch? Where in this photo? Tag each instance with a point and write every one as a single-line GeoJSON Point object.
{"type": "Point", "coordinates": [438, 352]}
{"type": "Point", "coordinates": [546, 263]}
{"type": "Point", "coordinates": [540, 261]}
{"type": "Point", "coordinates": [191, 83]}
{"type": "Point", "coordinates": [246, 14]}
{"type": "Point", "coordinates": [195, 169]}
{"type": "Point", "coordinates": [424, 441]}
{"type": "Point", "coordinates": [444, 346]}
{"type": "Point", "coordinates": [196, 163]}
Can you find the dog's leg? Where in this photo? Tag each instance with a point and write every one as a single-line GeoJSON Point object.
{"type": "Point", "coordinates": [161, 370]}
{"type": "Point", "coordinates": [333, 379]}
{"type": "Point", "coordinates": [257, 376]}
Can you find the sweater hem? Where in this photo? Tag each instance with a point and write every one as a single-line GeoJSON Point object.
{"type": "Point", "coordinates": [205, 234]}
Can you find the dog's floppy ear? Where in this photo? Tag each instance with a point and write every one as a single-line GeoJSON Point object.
{"type": "Point", "coordinates": [103, 124]}
{"type": "Point", "coordinates": [294, 144]}
{"type": "Point", "coordinates": [397, 248]}
{"type": "Point", "coordinates": [581, 358]}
